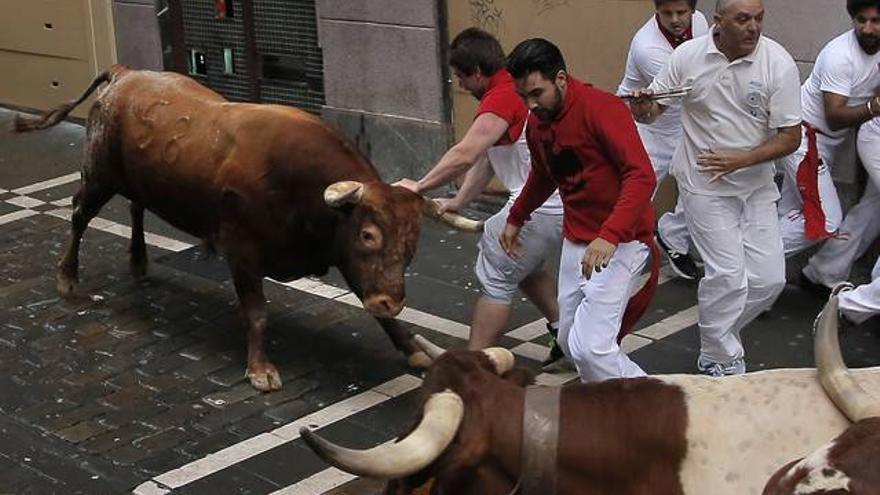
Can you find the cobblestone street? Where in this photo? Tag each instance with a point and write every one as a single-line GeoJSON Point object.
{"type": "Point", "coordinates": [139, 385]}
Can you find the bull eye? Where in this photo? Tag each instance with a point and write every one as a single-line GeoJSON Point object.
{"type": "Point", "coordinates": [367, 236]}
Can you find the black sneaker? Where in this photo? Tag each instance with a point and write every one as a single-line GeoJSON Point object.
{"type": "Point", "coordinates": [807, 284]}
{"type": "Point", "coordinates": [682, 263]}
{"type": "Point", "coordinates": [556, 361]}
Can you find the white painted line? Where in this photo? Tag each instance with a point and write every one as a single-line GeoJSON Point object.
{"type": "Point", "coordinates": [532, 351]}
{"type": "Point", "coordinates": [47, 184]}
{"type": "Point", "coordinates": [246, 449]}
{"type": "Point", "coordinates": [633, 342]}
{"type": "Point", "coordinates": [68, 201]}
{"type": "Point", "coordinates": [529, 331]}
{"type": "Point", "coordinates": [16, 215]}
{"type": "Point", "coordinates": [318, 483]}
{"type": "Point", "coordinates": [24, 201]}
{"type": "Point", "coordinates": [121, 230]}
{"type": "Point", "coordinates": [670, 325]}
{"type": "Point", "coordinates": [556, 379]}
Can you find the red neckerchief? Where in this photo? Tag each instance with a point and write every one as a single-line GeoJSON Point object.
{"type": "Point", "coordinates": [497, 79]}
{"type": "Point", "coordinates": [671, 38]}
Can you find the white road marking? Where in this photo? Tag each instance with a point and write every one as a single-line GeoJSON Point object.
{"type": "Point", "coordinates": [17, 215]}
{"type": "Point", "coordinates": [47, 184]}
{"type": "Point", "coordinates": [24, 202]}
{"type": "Point", "coordinates": [246, 449]}
{"type": "Point", "coordinates": [121, 230]}
{"type": "Point", "coordinates": [320, 482]}
{"type": "Point", "coordinates": [670, 325]}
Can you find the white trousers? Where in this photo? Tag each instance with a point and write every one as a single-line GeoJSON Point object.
{"type": "Point", "coordinates": [660, 148]}
{"type": "Point", "coordinates": [861, 226]}
{"type": "Point", "coordinates": [790, 208]}
{"type": "Point", "coordinates": [739, 241]}
{"type": "Point", "coordinates": [862, 302]}
{"type": "Point", "coordinates": [591, 311]}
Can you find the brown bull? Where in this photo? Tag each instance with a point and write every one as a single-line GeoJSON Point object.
{"type": "Point", "coordinates": [275, 190]}
{"type": "Point", "coordinates": [850, 463]}
{"type": "Point", "coordinates": [662, 435]}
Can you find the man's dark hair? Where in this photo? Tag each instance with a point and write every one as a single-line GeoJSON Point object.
{"type": "Point", "coordinates": [536, 54]}
{"type": "Point", "coordinates": [475, 49]}
{"type": "Point", "coordinates": [691, 3]}
{"type": "Point", "coordinates": [856, 6]}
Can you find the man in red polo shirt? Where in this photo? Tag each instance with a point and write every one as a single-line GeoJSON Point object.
{"type": "Point", "coordinates": [584, 142]}
{"type": "Point", "coordinates": [495, 144]}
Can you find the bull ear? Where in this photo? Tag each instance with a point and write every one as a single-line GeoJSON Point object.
{"type": "Point", "coordinates": [343, 193]}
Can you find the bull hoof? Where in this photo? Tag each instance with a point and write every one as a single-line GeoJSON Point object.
{"type": "Point", "coordinates": [264, 377]}
{"type": "Point", "coordinates": [66, 285]}
{"type": "Point", "coordinates": [418, 360]}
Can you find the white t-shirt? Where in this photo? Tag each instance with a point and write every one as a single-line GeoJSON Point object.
{"type": "Point", "coordinates": [842, 68]}
{"type": "Point", "coordinates": [648, 53]}
{"type": "Point", "coordinates": [511, 164]}
{"type": "Point", "coordinates": [733, 106]}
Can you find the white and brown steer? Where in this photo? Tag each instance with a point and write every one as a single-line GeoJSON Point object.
{"type": "Point", "coordinates": [661, 435]}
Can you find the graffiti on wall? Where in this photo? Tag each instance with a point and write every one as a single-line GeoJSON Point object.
{"type": "Point", "coordinates": [487, 15]}
{"type": "Point", "coordinates": [543, 6]}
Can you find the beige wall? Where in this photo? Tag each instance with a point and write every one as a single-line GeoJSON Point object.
{"type": "Point", "coordinates": [50, 50]}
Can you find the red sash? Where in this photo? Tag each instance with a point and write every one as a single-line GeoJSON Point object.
{"type": "Point", "coordinates": [808, 185]}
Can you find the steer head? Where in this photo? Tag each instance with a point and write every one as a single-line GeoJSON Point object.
{"type": "Point", "coordinates": [377, 239]}
{"type": "Point", "coordinates": [467, 434]}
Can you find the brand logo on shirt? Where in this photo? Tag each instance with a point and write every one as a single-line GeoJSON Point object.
{"type": "Point", "coordinates": [755, 97]}
{"type": "Point", "coordinates": [565, 165]}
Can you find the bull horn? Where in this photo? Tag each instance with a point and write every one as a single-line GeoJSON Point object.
{"type": "Point", "coordinates": [442, 416]}
{"type": "Point", "coordinates": [839, 384]}
{"type": "Point", "coordinates": [431, 349]}
{"type": "Point", "coordinates": [458, 222]}
{"type": "Point", "coordinates": [343, 192]}
{"type": "Point", "coordinates": [502, 359]}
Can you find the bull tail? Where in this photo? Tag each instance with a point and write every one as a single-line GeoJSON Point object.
{"type": "Point", "coordinates": [27, 123]}
{"type": "Point", "coordinates": [838, 382]}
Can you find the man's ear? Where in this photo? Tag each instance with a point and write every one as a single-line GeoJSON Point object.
{"type": "Point", "coordinates": [561, 79]}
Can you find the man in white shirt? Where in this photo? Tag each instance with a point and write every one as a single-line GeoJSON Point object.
{"type": "Point", "coordinates": [857, 54]}
{"type": "Point", "coordinates": [742, 113]}
{"type": "Point", "coordinates": [674, 22]}
{"type": "Point", "coordinates": [835, 100]}
{"type": "Point", "coordinates": [495, 144]}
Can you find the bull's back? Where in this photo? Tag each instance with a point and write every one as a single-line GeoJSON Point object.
{"type": "Point", "coordinates": [741, 429]}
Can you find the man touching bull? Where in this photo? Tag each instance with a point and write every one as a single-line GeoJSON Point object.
{"type": "Point", "coordinates": [584, 142]}
{"type": "Point", "coordinates": [496, 143]}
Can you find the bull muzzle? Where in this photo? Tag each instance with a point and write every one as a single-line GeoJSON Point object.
{"type": "Point", "coordinates": [384, 306]}
{"type": "Point", "coordinates": [441, 418]}
{"type": "Point", "coordinates": [839, 384]}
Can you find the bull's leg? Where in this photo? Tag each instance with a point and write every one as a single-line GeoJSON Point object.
{"type": "Point", "coordinates": [262, 374]}
{"type": "Point", "coordinates": [86, 204]}
{"type": "Point", "coordinates": [138, 248]}
{"type": "Point", "coordinates": [403, 341]}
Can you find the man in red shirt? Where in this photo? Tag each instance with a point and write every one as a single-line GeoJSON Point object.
{"type": "Point", "coordinates": [584, 142]}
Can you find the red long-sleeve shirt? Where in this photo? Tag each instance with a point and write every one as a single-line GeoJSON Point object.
{"type": "Point", "coordinates": [593, 154]}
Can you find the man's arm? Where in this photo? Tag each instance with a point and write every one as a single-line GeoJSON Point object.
{"type": "Point", "coordinates": [840, 116]}
{"type": "Point", "coordinates": [475, 181]}
{"type": "Point", "coordinates": [484, 132]}
{"type": "Point", "coordinates": [721, 163]}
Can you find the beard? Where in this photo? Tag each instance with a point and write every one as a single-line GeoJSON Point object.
{"type": "Point", "coordinates": [550, 114]}
{"type": "Point", "coordinates": [869, 43]}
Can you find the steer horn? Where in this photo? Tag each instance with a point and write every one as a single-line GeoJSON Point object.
{"type": "Point", "coordinates": [836, 379]}
{"type": "Point", "coordinates": [502, 359]}
{"type": "Point", "coordinates": [431, 349]}
{"type": "Point", "coordinates": [343, 192]}
{"type": "Point", "coordinates": [442, 416]}
{"type": "Point", "coordinates": [432, 209]}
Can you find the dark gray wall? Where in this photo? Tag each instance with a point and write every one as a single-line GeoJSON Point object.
{"type": "Point", "coordinates": [138, 43]}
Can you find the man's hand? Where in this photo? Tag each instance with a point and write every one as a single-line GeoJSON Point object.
{"type": "Point", "coordinates": [510, 240]}
{"type": "Point", "coordinates": [409, 184]}
{"type": "Point", "coordinates": [597, 256]}
{"type": "Point", "coordinates": [720, 163]}
{"type": "Point", "coordinates": [641, 105]}
{"type": "Point", "coordinates": [448, 204]}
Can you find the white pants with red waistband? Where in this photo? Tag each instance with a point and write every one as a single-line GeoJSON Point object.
{"type": "Point", "coordinates": [792, 222]}
{"type": "Point", "coordinates": [861, 226]}
{"type": "Point", "coordinates": [738, 239]}
{"type": "Point", "coordinates": [660, 148]}
{"type": "Point", "coordinates": [591, 311]}
{"type": "Point", "coordinates": [862, 302]}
